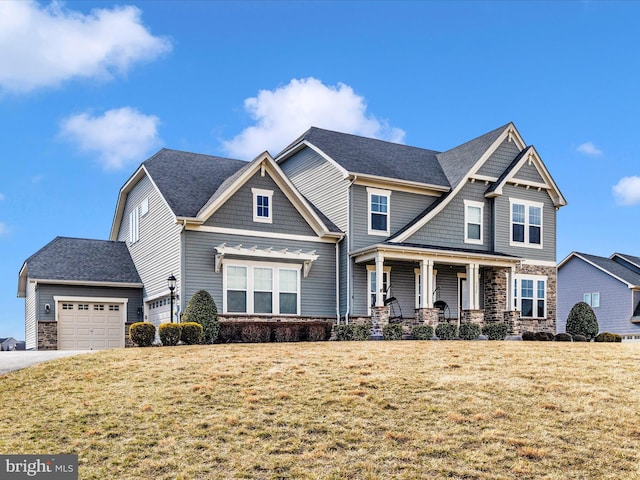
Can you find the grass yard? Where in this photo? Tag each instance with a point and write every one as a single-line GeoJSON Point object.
{"type": "Point", "coordinates": [339, 410]}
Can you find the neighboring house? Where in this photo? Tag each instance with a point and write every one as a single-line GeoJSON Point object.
{"type": "Point", "coordinates": [8, 344]}
{"type": "Point", "coordinates": [338, 223]}
{"type": "Point", "coordinates": [610, 285]}
{"type": "Point", "coordinates": [79, 295]}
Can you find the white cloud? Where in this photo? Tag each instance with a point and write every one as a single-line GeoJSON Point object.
{"type": "Point", "coordinates": [286, 112]}
{"type": "Point", "coordinates": [588, 148]}
{"type": "Point", "coordinates": [627, 191]}
{"type": "Point", "coordinates": [120, 136]}
{"type": "Point", "coordinates": [43, 46]}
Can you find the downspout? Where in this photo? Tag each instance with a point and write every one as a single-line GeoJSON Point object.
{"type": "Point", "coordinates": [348, 311]}
{"type": "Point", "coordinates": [337, 283]}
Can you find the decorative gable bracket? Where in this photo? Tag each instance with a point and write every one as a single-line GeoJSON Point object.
{"type": "Point", "coordinates": [270, 253]}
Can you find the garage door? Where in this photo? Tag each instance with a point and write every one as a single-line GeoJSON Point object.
{"type": "Point", "coordinates": [159, 312]}
{"type": "Point", "coordinates": [90, 326]}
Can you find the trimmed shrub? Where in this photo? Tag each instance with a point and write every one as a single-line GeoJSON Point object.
{"type": "Point", "coordinates": [192, 333]}
{"type": "Point", "coordinates": [608, 337]}
{"type": "Point", "coordinates": [142, 333]}
{"type": "Point", "coordinates": [202, 309]}
{"type": "Point", "coordinates": [318, 332]}
{"type": "Point", "coordinates": [563, 337]}
{"type": "Point", "coordinates": [496, 330]}
{"type": "Point", "coordinates": [422, 332]}
{"type": "Point", "coordinates": [361, 332]}
{"type": "Point", "coordinates": [284, 332]}
{"type": "Point", "coordinates": [469, 331]}
{"type": "Point", "coordinates": [392, 331]}
{"type": "Point", "coordinates": [344, 333]}
{"type": "Point", "coordinates": [255, 333]}
{"type": "Point", "coordinates": [579, 338]}
{"type": "Point", "coordinates": [169, 334]}
{"type": "Point", "coordinates": [582, 321]}
{"type": "Point", "coordinates": [229, 332]}
{"type": "Point", "coordinates": [528, 336]}
{"type": "Point", "coordinates": [446, 331]}
{"type": "Point", "coordinates": [544, 336]}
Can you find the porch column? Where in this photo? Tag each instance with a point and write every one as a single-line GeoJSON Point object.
{"type": "Point", "coordinates": [511, 272]}
{"type": "Point", "coordinates": [426, 274]}
{"type": "Point", "coordinates": [473, 282]}
{"type": "Point", "coordinates": [379, 279]}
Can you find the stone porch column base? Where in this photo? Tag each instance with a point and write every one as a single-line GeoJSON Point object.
{"type": "Point", "coordinates": [379, 318]}
{"type": "Point", "coordinates": [428, 316]}
{"type": "Point", "coordinates": [512, 319]}
{"type": "Point", "coordinates": [473, 316]}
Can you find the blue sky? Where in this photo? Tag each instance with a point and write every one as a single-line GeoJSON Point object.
{"type": "Point", "coordinates": [88, 90]}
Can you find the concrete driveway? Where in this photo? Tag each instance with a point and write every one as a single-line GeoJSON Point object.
{"type": "Point", "coordinates": [16, 360]}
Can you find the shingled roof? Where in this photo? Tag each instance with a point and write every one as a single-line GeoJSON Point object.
{"type": "Point", "coordinates": [188, 180]}
{"type": "Point", "coordinates": [82, 260]}
{"type": "Point", "coordinates": [612, 268]}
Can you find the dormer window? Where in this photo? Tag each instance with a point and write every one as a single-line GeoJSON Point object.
{"type": "Point", "coordinates": [262, 205]}
{"type": "Point", "coordinates": [378, 201]}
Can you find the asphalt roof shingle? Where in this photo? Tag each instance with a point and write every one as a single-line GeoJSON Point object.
{"type": "Point", "coordinates": [614, 268]}
{"type": "Point", "coordinates": [80, 259]}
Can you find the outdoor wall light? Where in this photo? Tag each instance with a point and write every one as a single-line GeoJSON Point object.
{"type": "Point", "coordinates": [47, 308]}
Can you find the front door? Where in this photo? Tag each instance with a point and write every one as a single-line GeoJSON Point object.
{"type": "Point", "coordinates": [372, 287]}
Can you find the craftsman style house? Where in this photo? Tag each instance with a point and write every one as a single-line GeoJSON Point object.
{"type": "Point", "coordinates": [336, 227]}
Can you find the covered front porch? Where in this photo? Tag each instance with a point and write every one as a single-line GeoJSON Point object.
{"type": "Point", "coordinates": [414, 284]}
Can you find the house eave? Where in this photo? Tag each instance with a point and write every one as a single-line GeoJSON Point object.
{"type": "Point", "coordinates": [399, 184]}
{"type": "Point", "coordinates": [87, 283]}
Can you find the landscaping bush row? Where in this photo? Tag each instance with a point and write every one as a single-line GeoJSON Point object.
{"type": "Point", "coordinates": [443, 331]}
{"type": "Point", "coordinates": [567, 337]}
{"type": "Point", "coordinates": [144, 333]}
{"type": "Point", "coordinates": [262, 332]}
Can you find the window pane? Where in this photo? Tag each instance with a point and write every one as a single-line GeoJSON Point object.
{"type": "Point", "coordinates": [595, 300]}
{"type": "Point", "coordinates": [288, 280]}
{"type": "Point", "coordinates": [262, 206]}
{"type": "Point", "coordinates": [262, 302]}
{"type": "Point", "coordinates": [527, 288]}
{"type": "Point", "coordinates": [288, 303]}
{"type": "Point", "coordinates": [236, 301]}
{"type": "Point", "coordinates": [378, 203]}
{"type": "Point", "coordinates": [262, 279]}
{"type": "Point", "coordinates": [527, 307]}
{"type": "Point", "coordinates": [587, 298]}
{"type": "Point", "coordinates": [534, 235]}
{"type": "Point", "coordinates": [541, 289]}
{"type": "Point", "coordinates": [540, 313]}
{"type": "Point", "coordinates": [517, 213]}
{"type": "Point", "coordinates": [535, 216]}
{"type": "Point", "coordinates": [473, 214]}
{"type": "Point", "coordinates": [473, 231]}
{"type": "Point", "coordinates": [378, 222]}
{"type": "Point", "coordinates": [236, 278]}
{"type": "Point", "coordinates": [518, 232]}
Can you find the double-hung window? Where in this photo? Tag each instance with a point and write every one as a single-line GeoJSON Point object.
{"type": "Point", "coordinates": [378, 215]}
{"type": "Point", "coordinates": [473, 215]}
{"type": "Point", "coordinates": [592, 299]}
{"type": "Point", "coordinates": [530, 295]}
{"type": "Point", "coordinates": [262, 205]}
{"type": "Point", "coordinates": [526, 223]}
{"type": "Point", "coordinates": [263, 288]}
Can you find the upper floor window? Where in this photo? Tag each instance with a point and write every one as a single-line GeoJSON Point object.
{"type": "Point", "coordinates": [262, 205]}
{"type": "Point", "coordinates": [378, 215]}
{"type": "Point", "coordinates": [473, 215]}
{"type": "Point", "coordinates": [592, 299]}
{"type": "Point", "coordinates": [530, 295]}
{"type": "Point", "coordinates": [526, 223]}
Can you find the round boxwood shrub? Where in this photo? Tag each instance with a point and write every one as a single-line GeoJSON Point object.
{"type": "Point", "coordinates": [446, 331]}
{"type": "Point", "coordinates": [544, 336]}
{"type": "Point", "coordinates": [422, 332]}
{"type": "Point", "coordinates": [362, 332]}
{"type": "Point", "coordinates": [608, 337]}
{"type": "Point", "coordinates": [528, 336]}
{"type": "Point", "coordinates": [563, 337]}
{"type": "Point", "coordinates": [582, 321]}
{"type": "Point", "coordinates": [579, 338]}
{"type": "Point", "coordinates": [469, 331]}
{"type": "Point", "coordinates": [142, 333]}
{"type": "Point", "coordinates": [192, 333]}
{"type": "Point", "coordinates": [202, 309]}
{"type": "Point", "coordinates": [169, 334]}
{"type": "Point", "coordinates": [496, 330]}
{"type": "Point", "coordinates": [392, 331]}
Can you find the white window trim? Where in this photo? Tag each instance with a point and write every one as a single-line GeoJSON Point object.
{"type": "Point", "coordinates": [134, 225]}
{"type": "Point", "coordinates": [372, 269]}
{"type": "Point", "coordinates": [527, 204]}
{"type": "Point", "coordinates": [518, 291]}
{"type": "Point", "coordinates": [383, 193]}
{"type": "Point", "coordinates": [144, 207]}
{"type": "Point", "coordinates": [275, 298]}
{"type": "Point", "coordinates": [264, 193]}
{"type": "Point", "coordinates": [480, 205]}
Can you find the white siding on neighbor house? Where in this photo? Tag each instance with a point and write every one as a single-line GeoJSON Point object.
{"type": "Point", "coordinates": [318, 290]}
{"type": "Point", "coordinates": [500, 160]}
{"type": "Point", "coordinates": [156, 254]}
{"type": "Point", "coordinates": [321, 182]}
{"type": "Point", "coordinates": [503, 224]}
{"type": "Point", "coordinates": [31, 323]}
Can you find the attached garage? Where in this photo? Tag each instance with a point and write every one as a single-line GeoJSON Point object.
{"type": "Point", "coordinates": [86, 324]}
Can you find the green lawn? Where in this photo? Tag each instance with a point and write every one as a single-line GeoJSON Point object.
{"type": "Point", "coordinates": [338, 410]}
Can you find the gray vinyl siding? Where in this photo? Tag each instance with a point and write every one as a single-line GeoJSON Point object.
{"type": "Point", "coordinates": [237, 211]}
{"type": "Point", "coordinates": [403, 208]}
{"type": "Point", "coordinates": [318, 290]}
{"type": "Point", "coordinates": [343, 281]}
{"type": "Point", "coordinates": [321, 182]}
{"type": "Point", "coordinates": [31, 322]}
{"type": "Point", "coordinates": [447, 286]}
{"type": "Point", "coordinates": [576, 277]}
{"type": "Point", "coordinates": [46, 292]}
{"type": "Point", "coordinates": [500, 160]}
{"type": "Point", "coordinates": [529, 172]}
{"type": "Point", "coordinates": [446, 229]}
{"type": "Point", "coordinates": [157, 254]}
{"type": "Point", "coordinates": [503, 224]}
